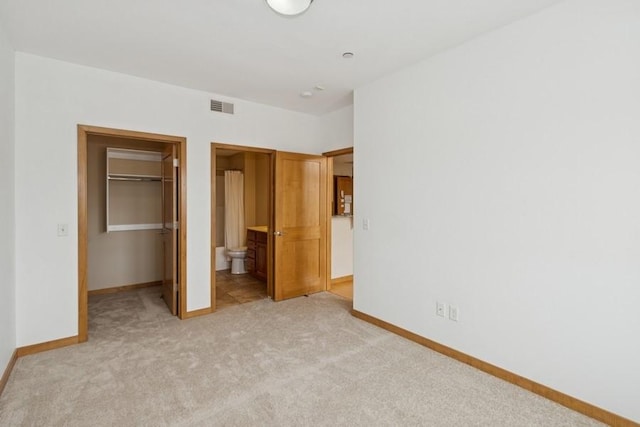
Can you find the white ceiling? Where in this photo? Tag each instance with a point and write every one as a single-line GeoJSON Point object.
{"type": "Point", "coordinates": [240, 48]}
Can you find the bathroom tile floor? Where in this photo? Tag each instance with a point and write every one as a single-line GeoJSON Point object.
{"type": "Point", "coordinates": [234, 289]}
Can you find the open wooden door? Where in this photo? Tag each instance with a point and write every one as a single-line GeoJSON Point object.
{"type": "Point", "coordinates": [300, 255]}
{"type": "Point", "coordinates": [169, 228]}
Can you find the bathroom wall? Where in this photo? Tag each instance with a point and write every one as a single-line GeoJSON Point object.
{"type": "Point", "coordinates": [249, 189]}
{"type": "Point", "coordinates": [219, 208]}
{"type": "Point", "coordinates": [262, 189]}
{"type": "Point", "coordinates": [255, 167]}
{"type": "Point", "coordinates": [224, 163]}
{"type": "Point", "coordinates": [236, 162]}
{"type": "Point", "coordinates": [256, 189]}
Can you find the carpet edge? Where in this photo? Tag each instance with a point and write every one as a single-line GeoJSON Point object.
{"type": "Point", "coordinates": [556, 396]}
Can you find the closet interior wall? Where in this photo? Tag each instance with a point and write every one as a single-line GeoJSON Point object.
{"type": "Point", "coordinates": [119, 258]}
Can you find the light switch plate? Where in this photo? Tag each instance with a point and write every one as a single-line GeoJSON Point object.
{"type": "Point", "coordinates": [453, 313]}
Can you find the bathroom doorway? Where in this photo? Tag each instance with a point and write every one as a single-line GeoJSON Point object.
{"type": "Point", "coordinates": [295, 237]}
{"type": "Point", "coordinates": [340, 225]}
{"type": "Point", "coordinates": [241, 229]}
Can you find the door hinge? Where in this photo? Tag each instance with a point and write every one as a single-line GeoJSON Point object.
{"type": "Point", "coordinates": [176, 163]}
{"type": "Point", "coordinates": [175, 287]}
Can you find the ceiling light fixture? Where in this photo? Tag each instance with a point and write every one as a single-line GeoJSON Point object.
{"type": "Point", "coordinates": [289, 7]}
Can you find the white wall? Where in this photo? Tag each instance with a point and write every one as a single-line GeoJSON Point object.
{"type": "Point", "coordinates": [512, 183]}
{"type": "Point", "coordinates": [7, 205]}
{"type": "Point", "coordinates": [336, 132]}
{"type": "Point", "coordinates": [336, 129]}
{"type": "Point", "coordinates": [341, 246]}
{"type": "Point", "coordinates": [52, 97]}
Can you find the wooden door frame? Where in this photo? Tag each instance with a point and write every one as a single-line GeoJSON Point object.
{"type": "Point", "coordinates": [330, 155]}
{"type": "Point", "coordinates": [84, 131]}
{"type": "Point", "coordinates": [270, 257]}
{"type": "Point", "coordinates": [169, 235]}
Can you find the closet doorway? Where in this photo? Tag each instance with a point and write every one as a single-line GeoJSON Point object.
{"type": "Point", "coordinates": [131, 216]}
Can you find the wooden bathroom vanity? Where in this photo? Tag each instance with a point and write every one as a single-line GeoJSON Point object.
{"type": "Point", "coordinates": [257, 252]}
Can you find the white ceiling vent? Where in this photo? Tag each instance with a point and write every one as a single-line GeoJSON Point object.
{"type": "Point", "coordinates": [221, 107]}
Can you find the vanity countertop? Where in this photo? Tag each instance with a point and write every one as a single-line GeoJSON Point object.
{"type": "Point", "coordinates": [259, 228]}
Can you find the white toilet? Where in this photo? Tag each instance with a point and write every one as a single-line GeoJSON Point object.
{"type": "Point", "coordinates": [237, 256]}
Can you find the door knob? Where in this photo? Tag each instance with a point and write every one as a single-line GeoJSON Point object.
{"type": "Point", "coordinates": [277, 233]}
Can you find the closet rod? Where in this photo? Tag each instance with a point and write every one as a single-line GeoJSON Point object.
{"type": "Point", "coordinates": [120, 178]}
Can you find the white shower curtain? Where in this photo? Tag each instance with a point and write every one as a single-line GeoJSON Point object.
{"type": "Point", "coordinates": [234, 230]}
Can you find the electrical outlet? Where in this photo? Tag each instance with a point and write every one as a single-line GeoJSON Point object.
{"type": "Point", "coordinates": [453, 313]}
{"type": "Point", "coordinates": [63, 230]}
{"type": "Point", "coordinates": [365, 224]}
{"type": "Point", "coordinates": [440, 308]}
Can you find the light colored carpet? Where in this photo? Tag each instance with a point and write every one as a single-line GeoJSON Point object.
{"type": "Point", "coordinates": [300, 362]}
